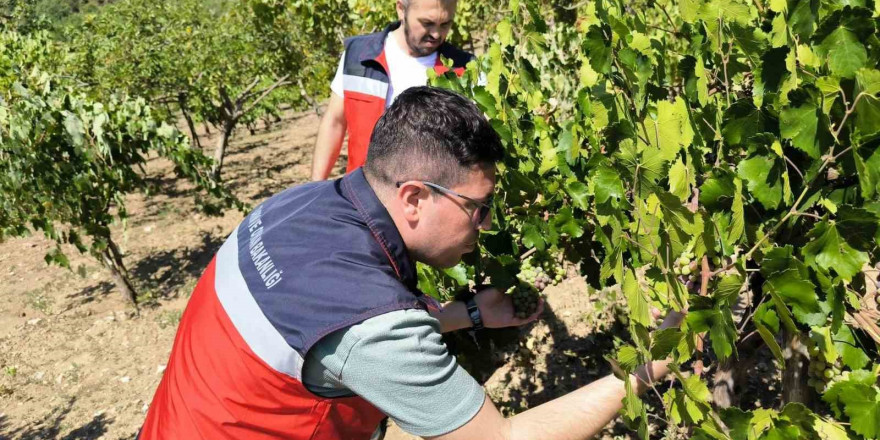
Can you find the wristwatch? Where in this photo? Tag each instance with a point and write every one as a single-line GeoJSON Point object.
{"type": "Point", "coordinates": [467, 297]}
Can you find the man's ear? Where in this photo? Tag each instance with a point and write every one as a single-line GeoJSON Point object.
{"type": "Point", "coordinates": [411, 196]}
{"type": "Point", "coordinates": [401, 10]}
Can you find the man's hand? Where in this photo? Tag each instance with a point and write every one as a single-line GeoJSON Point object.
{"type": "Point", "coordinates": [497, 309]}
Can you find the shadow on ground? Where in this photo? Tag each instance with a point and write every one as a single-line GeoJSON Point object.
{"type": "Point", "coordinates": [162, 274]}
{"type": "Point", "coordinates": [54, 423]}
{"type": "Point", "coordinates": [563, 363]}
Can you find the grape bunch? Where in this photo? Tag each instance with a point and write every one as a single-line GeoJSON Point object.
{"type": "Point", "coordinates": [823, 374]}
{"type": "Point", "coordinates": [525, 299]}
{"type": "Point", "coordinates": [540, 271]}
{"type": "Point", "coordinates": [688, 270]}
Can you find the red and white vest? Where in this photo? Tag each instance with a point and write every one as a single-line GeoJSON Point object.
{"type": "Point", "coordinates": [365, 84]}
{"type": "Point", "coordinates": [311, 260]}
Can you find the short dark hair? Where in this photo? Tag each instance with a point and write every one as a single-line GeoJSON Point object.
{"type": "Point", "coordinates": [430, 134]}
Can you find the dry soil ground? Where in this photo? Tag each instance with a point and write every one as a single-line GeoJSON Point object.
{"type": "Point", "coordinates": [76, 363]}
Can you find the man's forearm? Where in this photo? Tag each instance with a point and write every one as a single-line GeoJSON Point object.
{"type": "Point", "coordinates": [454, 316]}
{"type": "Point", "coordinates": [331, 133]}
{"type": "Point", "coordinates": [583, 413]}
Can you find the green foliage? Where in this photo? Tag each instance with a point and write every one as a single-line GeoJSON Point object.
{"type": "Point", "coordinates": [743, 133]}
{"type": "Point", "coordinates": [67, 161]}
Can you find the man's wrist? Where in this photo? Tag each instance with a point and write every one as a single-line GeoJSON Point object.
{"type": "Point", "coordinates": [473, 311]}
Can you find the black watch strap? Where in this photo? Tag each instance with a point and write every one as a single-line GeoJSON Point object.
{"type": "Point", "coordinates": [474, 313]}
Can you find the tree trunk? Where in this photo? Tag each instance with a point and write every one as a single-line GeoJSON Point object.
{"type": "Point", "coordinates": [309, 100]}
{"type": "Point", "coordinates": [734, 371]}
{"type": "Point", "coordinates": [181, 101]}
{"type": "Point", "coordinates": [113, 262]}
{"type": "Point", "coordinates": [220, 149]}
{"type": "Point", "coordinates": [207, 129]}
{"type": "Point", "coordinates": [797, 362]}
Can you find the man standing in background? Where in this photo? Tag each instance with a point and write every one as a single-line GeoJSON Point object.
{"type": "Point", "coordinates": [375, 69]}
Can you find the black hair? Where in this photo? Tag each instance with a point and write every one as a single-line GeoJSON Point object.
{"type": "Point", "coordinates": [430, 134]}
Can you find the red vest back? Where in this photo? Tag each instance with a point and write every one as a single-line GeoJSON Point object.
{"type": "Point", "coordinates": [276, 287]}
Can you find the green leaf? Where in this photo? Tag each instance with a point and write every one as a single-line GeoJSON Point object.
{"type": "Point", "coordinates": [788, 277]}
{"type": "Point", "coordinates": [803, 18]}
{"type": "Point", "coordinates": [598, 50]}
{"type": "Point", "coordinates": [829, 430]}
{"type": "Point", "coordinates": [74, 127]}
{"type": "Point", "coordinates": [715, 192]}
{"type": "Point", "coordinates": [607, 184]}
{"type": "Point", "coordinates": [737, 215]}
{"type": "Point", "coordinates": [846, 54]}
{"type": "Point", "coordinates": [728, 289]}
{"type": "Point", "coordinates": [566, 223]}
{"type": "Point", "coordinates": [681, 408]}
{"type": "Point", "coordinates": [831, 252]}
{"type": "Point", "coordinates": [770, 340]}
{"type": "Point", "coordinates": [664, 342]}
{"type": "Point", "coordinates": [867, 161]}
{"type": "Point", "coordinates": [742, 120]}
{"type": "Point", "coordinates": [670, 130]}
{"type": "Point", "coordinates": [867, 115]}
{"type": "Point", "coordinates": [636, 299]}
{"type": "Point", "coordinates": [505, 33]}
{"type": "Point", "coordinates": [868, 81]}
{"type": "Point", "coordinates": [628, 358]}
{"type": "Point", "coordinates": [762, 175]}
{"type": "Point", "coordinates": [696, 389]}
{"type": "Point", "coordinates": [579, 194]}
{"type": "Point", "coordinates": [862, 405]}
{"type": "Point", "coordinates": [459, 273]}
{"type": "Point", "coordinates": [486, 101]}
{"type": "Point", "coordinates": [852, 356]}
{"type": "Point", "coordinates": [532, 237]}
{"type": "Point", "coordinates": [858, 227]}
{"type": "Point", "coordinates": [800, 125]}
{"type": "Point", "coordinates": [680, 180]}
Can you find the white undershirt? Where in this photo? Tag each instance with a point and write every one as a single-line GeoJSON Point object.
{"type": "Point", "coordinates": [405, 71]}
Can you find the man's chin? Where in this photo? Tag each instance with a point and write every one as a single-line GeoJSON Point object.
{"type": "Point", "coordinates": [423, 51]}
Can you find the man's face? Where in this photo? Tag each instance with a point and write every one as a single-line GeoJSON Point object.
{"type": "Point", "coordinates": [449, 226]}
{"type": "Point", "coordinates": [426, 23]}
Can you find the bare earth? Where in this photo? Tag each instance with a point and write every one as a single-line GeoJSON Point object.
{"type": "Point", "coordinates": [77, 363]}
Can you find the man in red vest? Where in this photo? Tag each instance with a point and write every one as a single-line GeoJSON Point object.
{"type": "Point", "coordinates": [308, 323]}
{"type": "Point", "coordinates": [375, 69]}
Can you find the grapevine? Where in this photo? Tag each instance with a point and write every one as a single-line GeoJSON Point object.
{"type": "Point", "coordinates": [714, 157]}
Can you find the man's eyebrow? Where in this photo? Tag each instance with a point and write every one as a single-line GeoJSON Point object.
{"type": "Point", "coordinates": [487, 198]}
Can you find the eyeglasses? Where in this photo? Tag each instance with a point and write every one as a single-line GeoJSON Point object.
{"type": "Point", "coordinates": [478, 215]}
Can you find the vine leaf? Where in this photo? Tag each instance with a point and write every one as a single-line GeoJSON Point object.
{"type": "Point", "coordinates": [664, 342]}
{"type": "Point", "coordinates": [867, 116]}
{"type": "Point", "coordinates": [862, 404]}
{"type": "Point", "coordinates": [852, 356]}
{"type": "Point", "coordinates": [763, 179]}
{"type": "Point", "coordinates": [635, 297]}
{"type": "Point", "coordinates": [670, 130]}
{"type": "Point", "coordinates": [845, 53]}
{"type": "Point", "coordinates": [607, 184]}
{"type": "Point", "coordinates": [831, 252]}
{"type": "Point", "coordinates": [680, 179]}
{"type": "Point", "coordinates": [800, 124]}
{"type": "Point", "coordinates": [788, 278]}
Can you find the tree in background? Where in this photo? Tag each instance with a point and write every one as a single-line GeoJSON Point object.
{"type": "Point", "coordinates": [67, 160]}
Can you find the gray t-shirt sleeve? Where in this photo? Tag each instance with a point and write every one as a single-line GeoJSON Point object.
{"type": "Point", "coordinates": [398, 362]}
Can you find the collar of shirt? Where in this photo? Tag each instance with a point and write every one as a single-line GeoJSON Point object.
{"type": "Point", "coordinates": [376, 217]}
